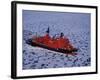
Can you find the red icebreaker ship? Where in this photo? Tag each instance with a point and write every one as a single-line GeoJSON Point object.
{"type": "Point", "coordinates": [58, 44]}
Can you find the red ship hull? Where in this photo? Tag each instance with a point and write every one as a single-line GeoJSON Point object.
{"type": "Point", "coordinates": [58, 44]}
{"type": "Point", "coordinates": [65, 51]}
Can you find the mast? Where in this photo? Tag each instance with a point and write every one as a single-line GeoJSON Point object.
{"type": "Point", "coordinates": [48, 30]}
{"type": "Point", "coordinates": [62, 34]}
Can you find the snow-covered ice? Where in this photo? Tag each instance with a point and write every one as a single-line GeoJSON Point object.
{"type": "Point", "coordinates": [75, 26]}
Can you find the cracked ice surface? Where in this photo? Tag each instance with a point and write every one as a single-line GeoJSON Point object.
{"type": "Point", "coordinates": [75, 26]}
